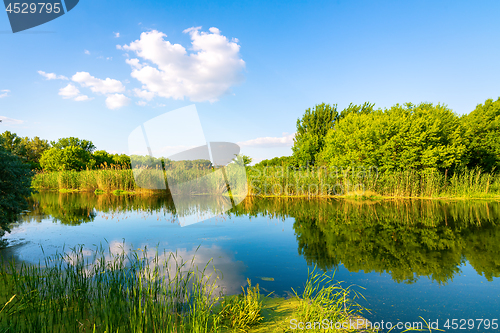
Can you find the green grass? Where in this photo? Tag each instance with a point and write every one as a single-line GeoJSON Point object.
{"type": "Point", "coordinates": [110, 291]}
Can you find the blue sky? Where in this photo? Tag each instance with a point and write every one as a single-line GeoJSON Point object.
{"type": "Point", "coordinates": [252, 76]}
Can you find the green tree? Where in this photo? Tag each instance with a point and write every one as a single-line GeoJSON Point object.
{"type": "Point", "coordinates": [405, 136]}
{"type": "Point", "coordinates": [29, 150]}
{"type": "Point", "coordinates": [15, 183]}
{"type": "Point", "coordinates": [277, 161]}
{"type": "Point", "coordinates": [313, 127]}
{"type": "Point", "coordinates": [102, 158]}
{"type": "Point", "coordinates": [122, 160]}
{"type": "Point", "coordinates": [311, 131]}
{"type": "Point", "coordinates": [68, 158]}
{"type": "Point", "coordinates": [33, 150]}
{"type": "Point", "coordinates": [12, 143]}
{"type": "Point", "coordinates": [482, 131]}
{"type": "Point", "coordinates": [73, 142]}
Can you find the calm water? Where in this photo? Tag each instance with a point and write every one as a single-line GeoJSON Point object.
{"type": "Point", "coordinates": [438, 260]}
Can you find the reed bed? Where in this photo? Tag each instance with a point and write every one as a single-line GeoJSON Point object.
{"type": "Point", "coordinates": [106, 179]}
{"type": "Point", "coordinates": [282, 181]}
{"type": "Point", "coordinates": [110, 292]}
{"type": "Point", "coordinates": [314, 182]}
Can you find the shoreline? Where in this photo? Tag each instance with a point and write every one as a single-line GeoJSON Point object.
{"type": "Point", "coordinates": [355, 197]}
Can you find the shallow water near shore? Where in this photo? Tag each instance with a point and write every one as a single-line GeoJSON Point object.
{"type": "Point", "coordinates": [431, 259]}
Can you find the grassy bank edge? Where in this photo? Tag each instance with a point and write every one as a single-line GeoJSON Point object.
{"type": "Point", "coordinates": [368, 196]}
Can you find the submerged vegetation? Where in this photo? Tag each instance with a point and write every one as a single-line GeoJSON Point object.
{"type": "Point", "coordinates": [137, 291]}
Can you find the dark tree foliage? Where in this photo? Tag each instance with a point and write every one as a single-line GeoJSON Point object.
{"type": "Point", "coordinates": [277, 161]}
{"type": "Point", "coordinates": [15, 183]}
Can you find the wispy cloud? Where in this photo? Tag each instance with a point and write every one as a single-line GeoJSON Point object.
{"type": "Point", "coordinates": [7, 120]}
{"type": "Point", "coordinates": [87, 52]}
{"type": "Point", "coordinates": [117, 34]}
{"type": "Point", "coordinates": [269, 142]}
{"type": "Point", "coordinates": [52, 76]}
{"type": "Point", "coordinates": [4, 93]}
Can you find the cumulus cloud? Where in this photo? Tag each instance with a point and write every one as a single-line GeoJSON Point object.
{"type": "Point", "coordinates": [7, 120]}
{"type": "Point", "coordinates": [4, 93]}
{"type": "Point", "coordinates": [117, 101]}
{"type": "Point", "coordinates": [107, 86]}
{"type": "Point", "coordinates": [52, 76]}
{"type": "Point", "coordinates": [169, 70]}
{"type": "Point", "coordinates": [268, 142]}
{"type": "Point", "coordinates": [72, 92]}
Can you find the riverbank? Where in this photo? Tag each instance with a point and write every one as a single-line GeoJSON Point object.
{"type": "Point", "coordinates": [320, 182]}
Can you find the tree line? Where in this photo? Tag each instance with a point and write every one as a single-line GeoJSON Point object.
{"type": "Point", "coordinates": [409, 136]}
{"type": "Point", "coordinates": [64, 154]}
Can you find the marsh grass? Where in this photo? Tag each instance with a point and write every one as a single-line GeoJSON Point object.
{"type": "Point", "coordinates": [324, 298]}
{"type": "Point", "coordinates": [109, 292]}
{"type": "Point", "coordinates": [369, 183]}
{"type": "Point", "coordinates": [242, 311]}
{"type": "Point", "coordinates": [285, 181]}
{"type": "Point", "coordinates": [106, 180]}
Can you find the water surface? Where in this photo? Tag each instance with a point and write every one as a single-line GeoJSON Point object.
{"type": "Point", "coordinates": [438, 260]}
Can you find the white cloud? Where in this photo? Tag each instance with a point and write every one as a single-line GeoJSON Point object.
{"type": "Point", "coordinates": [72, 92]}
{"type": "Point", "coordinates": [7, 120]}
{"type": "Point", "coordinates": [144, 94]}
{"type": "Point", "coordinates": [106, 86]}
{"type": "Point", "coordinates": [207, 73]}
{"type": "Point", "coordinates": [267, 142]}
{"type": "Point", "coordinates": [141, 103]}
{"type": "Point", "coordinates": [52, 76]}
{"type": "Point", "coordinates": [82, 98]}
{"type": "Point", "coordinates": [134, 63]}
{"type": "Point", "coordinates": [117, 34]}
{"type": "Point", "coordinates": [117, 101]}
{"type": "Point", "coordinates": [4, 93]}
{"type": "Point", "coordinates": [87, 52]}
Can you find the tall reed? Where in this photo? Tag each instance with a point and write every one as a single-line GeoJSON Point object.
{"type": "Point", "coordinates": [283, 181]}
{"type": "Point", "coordinates": [110, 292]}
{"type": "Point", "coordinates": [322, 181]}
